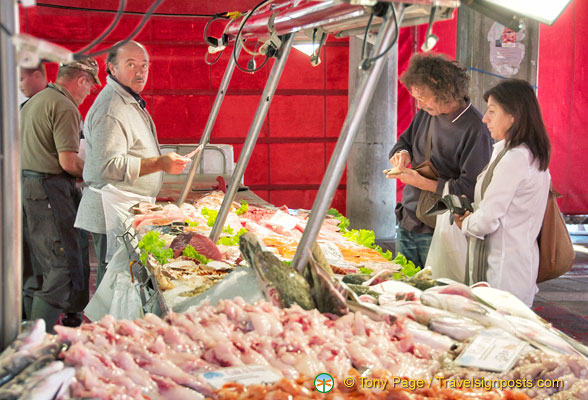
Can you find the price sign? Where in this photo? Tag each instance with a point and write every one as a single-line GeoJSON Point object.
{"type": "Point", "coordinates": [332, 252]}
{"type": "Point", "coordinates": [246, 375]}
{"type": "Point", "coordinates": [492, 350]}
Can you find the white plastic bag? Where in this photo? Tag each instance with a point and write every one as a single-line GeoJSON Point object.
{"type": "Point", "coordinates": [116, 204]}
{"type": "Point", "coordinates": [448, 251]}
{"type": "Point", "coordinates": [116, 295]}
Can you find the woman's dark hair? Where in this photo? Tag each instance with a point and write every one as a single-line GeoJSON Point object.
{"type": "Point", "coordinates": [446, 79]}
{"type": "Point", "coordinates": [518, 98]}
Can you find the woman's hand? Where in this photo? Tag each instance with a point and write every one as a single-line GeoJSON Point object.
{"type": "Point", "coordinates": [459, 218]}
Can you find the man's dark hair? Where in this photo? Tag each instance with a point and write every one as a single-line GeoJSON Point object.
{"type": "Point", "coordinates": [446, 79]}
{"type": "Point", "coordinates": [111, 58]}
{"type": "Point", "coordinates": [518, 99]}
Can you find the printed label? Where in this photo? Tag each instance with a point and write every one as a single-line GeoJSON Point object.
{"type": "Point", "coordinates": [247, 375]}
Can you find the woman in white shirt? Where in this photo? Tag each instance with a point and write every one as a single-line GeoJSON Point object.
{"type": "Point", "coordinates": [510, 195]}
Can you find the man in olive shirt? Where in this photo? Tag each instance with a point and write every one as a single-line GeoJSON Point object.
{"type": "Point", "coordinates": [50, 126]}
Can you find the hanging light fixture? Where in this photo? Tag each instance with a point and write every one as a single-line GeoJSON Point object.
{"type": "Point", "coordinates": [545, 11]}
{"type": "Point", "coordinates": [509, 13]}
{"type": "Point", "coordinates": [307, 48]}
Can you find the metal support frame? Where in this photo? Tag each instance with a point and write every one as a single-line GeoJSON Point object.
{"type": "Point", "coordinates": [336, 166]}
{"type": "Point", "coordinates": [11, 217]}
{"type": "Point", "coordinates": [262, 109]}
{"type": "Point", "coordinates": [222, 90]}
{"type": "Point", "coordinates": [334, 16]}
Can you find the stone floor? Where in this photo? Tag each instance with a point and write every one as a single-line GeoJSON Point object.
{"type": "Point", "coordinates": [564, 301]}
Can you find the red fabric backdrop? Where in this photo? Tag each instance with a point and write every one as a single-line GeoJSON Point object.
{"type": "Point", "coordinates": [304, 120]}
{"type": "Point", "coordinates": [563, 84]}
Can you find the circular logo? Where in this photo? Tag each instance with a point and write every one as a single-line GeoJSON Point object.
{"type": "Point", "coordinates": [324, 383]}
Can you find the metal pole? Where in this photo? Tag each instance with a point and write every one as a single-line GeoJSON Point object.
{"type": "Point", "coordinates": [209, 124]}
{"type": "Point", "coordinates": [262, 108]}
{"type": "Point", "coordinates": [355, 114]}
{"type": "Point", "coordinates": [11, 229]}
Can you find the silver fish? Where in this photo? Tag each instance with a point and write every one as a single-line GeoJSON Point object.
{"type": "Point", "coordinates": [376, 313]}
{"type": "Point", "coordinates": [434, 340]}
{"type": "Point", "coordinates": [416, 311]}
{"type": "Point", "coordinates": [505, 302]}
{"type": "Point", "coordinates": [23, 376]}
{"type": "Point", "coordinates": [17, 362]}
{"type": "Point", "coordinates": [32, 334]}
{"type": "Point", "coordinates": [453, 288]}
{"type": "Point", "coordinates": [282, 284]}
{"type": "Point", "coordinates": [456, 328]}
{"type": "Point", "coordinates": [23, 384]}
{"type": "Point", "coordinates": [467, 308]}
{"type": "Point", "coordinates": [52, 386]}
{"type": "Point", "coordinates": [541, 336]}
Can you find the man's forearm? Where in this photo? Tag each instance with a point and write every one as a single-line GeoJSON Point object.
{"type": "Point", "coordinates": [150, 165]}
{"type": "Point", "coordinates": [78, 168]}
{"type": "Point", "coordinates": [71, 163]}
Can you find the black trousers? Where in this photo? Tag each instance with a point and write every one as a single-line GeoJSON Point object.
{"type": "Point", "coordinates": [47, 270]}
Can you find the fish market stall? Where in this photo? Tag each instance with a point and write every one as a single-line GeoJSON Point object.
{"type": "Point", "coordinates": [224, 297]}
{"type": "Point", "coordinates": [174, 260]}
{"type": "Point", "coordinates": [354, 322]}
{"type": "Point", "coordinates": [379, 328]}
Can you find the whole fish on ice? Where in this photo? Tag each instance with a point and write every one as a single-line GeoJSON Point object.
{"type": "Point", "coordinates": [467, 308]}
{"type": "Point", "coordinates": [282, 284]}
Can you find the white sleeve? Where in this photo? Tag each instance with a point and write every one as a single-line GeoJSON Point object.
{"type": "Point", "coordinates": [510, 171]}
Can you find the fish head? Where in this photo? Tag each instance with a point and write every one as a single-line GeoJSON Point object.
{"type": "Point", "coordinates": [249, 245]}
{"type": "Point", "coordinates": [328, 293]}
{"type": "Point", "coordinates": [278, 280]}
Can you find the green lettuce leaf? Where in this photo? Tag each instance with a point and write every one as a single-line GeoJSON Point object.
{"type": "Point", "coordinates": [151, 243]}
{"type": "Point", "coordinates": [243, 209]}
{"type": "Point", "coordinates": [191, 252]}
{"type": "Point", "coordinates": [407, 267]}
{"type": "Point", "coordinates": [232, 240]}
{"type": "Point", "coordinates": [343, 222]}
{"type": "Point", "coordinates": [210, 215]}
{"type": "Point", "coordinates": [366, 270]}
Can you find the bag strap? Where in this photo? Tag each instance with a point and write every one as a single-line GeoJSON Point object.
{"type": "Point", "coordinates": [490, 170]}
{"type": "Point", "coordinates": [429, 140]}
{"type": "Point", "coordinates": [479, 264]}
